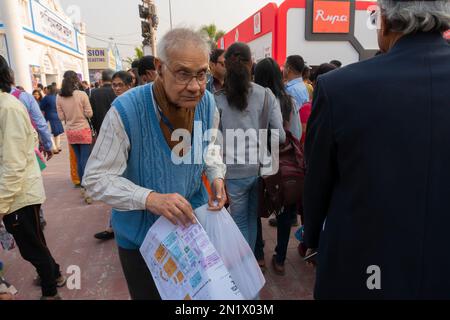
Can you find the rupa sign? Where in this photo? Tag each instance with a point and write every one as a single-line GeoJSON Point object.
{"type": "Point", "coordinates": [331, 16]}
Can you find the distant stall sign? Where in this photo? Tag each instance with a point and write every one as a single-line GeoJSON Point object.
{"type": "Point", "coordinates": [331, 17]}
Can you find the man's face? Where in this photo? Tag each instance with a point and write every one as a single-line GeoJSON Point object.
{"type": "Point", "coordinates": [119, 86]}
{"type": "Point", "coordinates": [149, 76]}
{"type": "Point", "coordinates": [286, 72]}
{"type": "Point", "coordinates": [218, 69]}
{"type": "Point", "coordinates": [133, 76]}
{"type": "Point", "coordinates": [181, 87]}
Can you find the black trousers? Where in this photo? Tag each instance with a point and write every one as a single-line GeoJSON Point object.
{"type": "Point", "coordinates": [259, 246]}
{"type": "Point", "coordinates": [139, 279]}
{"type": "Point", "coordinates": [284, 225]}
{"type": "Point", "coordinates": [25, 227]}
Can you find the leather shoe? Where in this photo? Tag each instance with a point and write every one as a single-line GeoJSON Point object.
{"type": "Point", "coordinates": [278, 268]}
{"type": "Point", "coordinates": [105, 235]}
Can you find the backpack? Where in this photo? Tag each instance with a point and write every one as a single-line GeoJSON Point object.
{"type": "Point", "coordinates": [285, 188]}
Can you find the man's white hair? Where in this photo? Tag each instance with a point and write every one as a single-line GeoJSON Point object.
{"type": "Point", "coordinates": [409, 17]}
{"type": "Point", "coordinates": [180, 39]}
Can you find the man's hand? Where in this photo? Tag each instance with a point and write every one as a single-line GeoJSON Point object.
{"type": "Point", "coordinates": [172, 206]}
{"type": "Point", "coordinates": [219, 195]}
{"type": "Point", "coordinates": [48, 154]}
{"type": "Point", "coordinates": [6, 296]}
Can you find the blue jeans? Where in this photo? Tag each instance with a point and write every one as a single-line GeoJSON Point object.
{"type": "Point", "coordinates": [82, 152]}
{"type": "Point", "coordinates": [243, 194]}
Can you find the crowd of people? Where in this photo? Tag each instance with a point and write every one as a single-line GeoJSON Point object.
{"type": "Point", "coordinates": [371, 140]}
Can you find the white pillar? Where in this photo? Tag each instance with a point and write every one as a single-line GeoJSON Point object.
{"type": "Point", "coordinates": [83, 49]}
{"type": "Point", "coordinates": [16, 42]}
{"type": "Point", "coordinates": [148, 51]}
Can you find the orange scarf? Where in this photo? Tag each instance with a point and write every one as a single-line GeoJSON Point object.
{"type": "Point", "coordinates": [179, 118]}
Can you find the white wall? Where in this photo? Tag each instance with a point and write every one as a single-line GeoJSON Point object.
{"type": "Point", "coordinates": [3, 49]}
{"type": "Point", "coordinates": [366, 36]}
{"type": "Point", "coordinates": [261, 47]}
{"type": "Point", "coordinates": [318, 52]}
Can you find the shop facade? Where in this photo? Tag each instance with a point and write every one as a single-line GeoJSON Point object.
{"type": "Point", "coordinates": [318, 30]}
{"type": "Point", "coordinates": [40, 42]}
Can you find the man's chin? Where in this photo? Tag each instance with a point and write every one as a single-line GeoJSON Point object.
{"type": "Point", "coordinates": [189, 104]}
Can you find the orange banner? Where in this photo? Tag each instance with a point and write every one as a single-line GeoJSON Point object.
{"type": "Point", "coordinates": [331, 17]}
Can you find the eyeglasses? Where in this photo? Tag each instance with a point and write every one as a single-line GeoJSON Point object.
{"type": "Point", "coordinates": [118, 85]}
{"type": "Point", "coordinates": [185, 78]}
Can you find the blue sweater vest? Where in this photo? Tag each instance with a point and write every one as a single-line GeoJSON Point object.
{"type": "Point", "coordinates": [150, 162]}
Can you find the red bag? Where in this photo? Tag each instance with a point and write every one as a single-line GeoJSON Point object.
{"type": "Point", "coordinates": [286, 187]}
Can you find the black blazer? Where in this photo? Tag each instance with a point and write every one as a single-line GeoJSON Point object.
{"type": "Point", "coordinates": [377, 189]}
{"type": "Point", "coordinates": [101, 100]}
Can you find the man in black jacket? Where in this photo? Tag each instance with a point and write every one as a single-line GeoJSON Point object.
{"type": "Point", "coordinates": [377, 188]}
{"type": "Point", "coordinates": [147, 69]}
{"type": "Point", "coordinates": [101, 99]}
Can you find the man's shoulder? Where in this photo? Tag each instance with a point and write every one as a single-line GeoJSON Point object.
{"type": "Point", "coordinates": [133, 97]}
{"type": "Point", "coordinates": [101, 91]}
{"type": "Point", "coordinates": [9, 102]}
{"type": "Point", "coordinates": [26, 98]}
{"type": "Point", "coordinates": [353, 71]}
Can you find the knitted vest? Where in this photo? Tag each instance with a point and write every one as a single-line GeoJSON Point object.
{"type": "Point", "coordinates": [150, 162]}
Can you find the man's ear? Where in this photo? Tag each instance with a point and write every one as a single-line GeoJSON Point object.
{"type": "Point", "coordinates": [385, 26]}
{"type": "Point", "coordinates": [158, 66]}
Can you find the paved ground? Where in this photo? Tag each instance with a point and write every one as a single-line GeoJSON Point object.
{"type": "Point", "coordinates": [69, 233]}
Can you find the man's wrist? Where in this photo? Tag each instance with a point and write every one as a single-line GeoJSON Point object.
{"type": "Point", "coordinates": [147, 199]}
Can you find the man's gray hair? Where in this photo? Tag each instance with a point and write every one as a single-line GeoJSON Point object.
{"type": "Point", "coordinates": [179, 39]}
{"type": "Point", "coordinates": [409, 17]}
{"type": "Point", "coordinates": [107, 75]}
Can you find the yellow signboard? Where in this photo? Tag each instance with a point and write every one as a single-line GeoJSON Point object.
{"type": "Point", "coordinates": [101, 59]}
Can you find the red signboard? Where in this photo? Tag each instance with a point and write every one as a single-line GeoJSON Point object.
{"type": "Point", "coordinates": [331, 17]}
{"type": "Point", "coordinates": [256, 26]}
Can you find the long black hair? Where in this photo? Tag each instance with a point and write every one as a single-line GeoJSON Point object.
{"type": "Point", "coordinates": [268, 75]}
{"type": "Point", "coordinates": [238, 62]}
{"type": "Point", "coordinates": [322, 69]}
{"type": "Point", "coordinates": [6, 78]}
{"type": "Point", "coordinates": [71, 82]}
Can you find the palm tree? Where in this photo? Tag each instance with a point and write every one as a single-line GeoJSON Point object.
{"type": "Point", "coordinates": [138, 54]}
{"type": "Point", "coordinates": [213, 34]}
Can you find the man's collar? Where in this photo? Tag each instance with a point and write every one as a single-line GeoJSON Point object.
{"type": "Point", "coordinates": [294, 82]}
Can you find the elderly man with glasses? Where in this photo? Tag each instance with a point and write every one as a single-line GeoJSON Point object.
{"type": "Point", "coordinates": [136, 165]}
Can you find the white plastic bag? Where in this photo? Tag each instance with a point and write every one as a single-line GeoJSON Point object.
{"type": "Point", "coordinates": [234, 250]}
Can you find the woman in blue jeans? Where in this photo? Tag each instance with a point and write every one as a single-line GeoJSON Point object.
{"type": "Point", "coordinates": [268, 75]}
{"type": "Point", "coordinates": [241, 104]}
{"type": "Point", "coordinates": [74, 108]}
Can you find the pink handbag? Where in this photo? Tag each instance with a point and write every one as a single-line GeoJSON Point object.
{"type": "Point", "coordinates": [82, 136]}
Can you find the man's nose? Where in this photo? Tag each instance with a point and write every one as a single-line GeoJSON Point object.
{"type": "Point", "coordinates": [194, 85]}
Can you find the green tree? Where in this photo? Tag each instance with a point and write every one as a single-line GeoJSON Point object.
{"type": "Point", "coordinates": [138, 54]}
{"type": "Point", "coordinates": [213, 34]}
